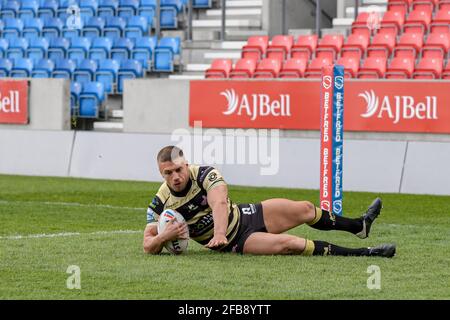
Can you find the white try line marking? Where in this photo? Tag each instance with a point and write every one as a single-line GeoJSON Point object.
{"type": "Point", "coordinates": [67, 234]}
{"type": "Point", "coordinates": [71, 204]}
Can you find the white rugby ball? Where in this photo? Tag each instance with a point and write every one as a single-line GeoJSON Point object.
{"type": "Point", "coordinates": [176, 246]}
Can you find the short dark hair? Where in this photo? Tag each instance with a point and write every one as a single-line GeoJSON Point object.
{"type": "Point", "coordinates": [169, 153]}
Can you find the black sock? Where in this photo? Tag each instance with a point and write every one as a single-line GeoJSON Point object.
{"type": "Point", "coordinates": [322, 248]}
{"type": "Point", "coordinates": [325, 220]}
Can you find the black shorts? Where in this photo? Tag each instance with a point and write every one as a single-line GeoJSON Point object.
{"type": "Point", "coordinates": [251, 220]}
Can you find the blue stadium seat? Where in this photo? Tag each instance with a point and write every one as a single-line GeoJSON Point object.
{"type": "Point", "coordinates": [137, 27]}
{"type": "Point", "coordinates": [48, 9]}
{"type": "Point", "coordinates": [64, 68]}
{"type": "Point", "coordinates": [22, 68]}
{"type": "Point", "coordinates": [79, 49]}
{"type": "Point", "coordinates": [5, 67]}
{"type": "Point", "coordinates": [64, 6]}
{"type": "Point", "coordinates": [43, 68]}
{"type": "Point", "coordinates": [128, 8]}
{"type": "Point", "coordinates": [91, 99]}
{"type": "Point", "coordinates": [114, 27]}
{"type": "Point", "coordinates": [32, 28]}
{"type": "Point", "coordinates": [107, 73]}
{"type": "Point", "coordinates": [165, 52]}
{"type": "Point", "coordinates": [10, 9]}
{"type": "Point", "coordinates": [28, 9]}
{"type": "Point", "coordinates": [143, 51]}
{"type": "Point", "coordinates": [17, 48]}
{"type": "Point", "coordinates": [88, 7]}
{"type": "Point", "coordinates": [1, 24]}
{"type": "Point", "coordinates": [37, 49]}
{"type": "Point", "coordinates": [147, 8]}
{"type": "Point", "coordinates": [85, 71]}
{"type": "Point", "coordinates": [52, 28]}
{"type": "Point", "coordinates": [4, 44]}
{"type": "Point", "coordinates": [13, 28]}
{"type": "Point", "coordinates": [58, 48]}
{"type": "Point", "coordinates": [169, 13]}
{"type": "Point", "coordinates": [94, 27]}
{"type": "Point", "coordinates": [121, 49]}
{"type": "Point", "coordinates": [108, 8]}
{"type": "Point", "coordinates": [100, 48]}
{"type": "Point", "coordinates": [202, 4]}
{"type": "Point", "coordinates": [75, 91]}
{"type": "Point", "coordinates": [129, 69]}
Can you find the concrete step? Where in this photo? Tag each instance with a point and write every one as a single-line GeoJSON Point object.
{"type": "Point", "coordinates": [117, 114]}
{"type": "Point", "coordinates": [228, 45]}
{"type": "Point", "coordinates": [350, 11]}
{"type": "Point", "coordinates": [108, 126]}
{"type": "Point", "coordinates": [230, 23]}
{"type": "Point", "coordinates": [233, 12]}
{"type": "Point", "coordinates": [244, 3]}
{"type": "Point", "coordinates": [196, 67]}
{"type": "Point", "coordinates": [243, 35]}
{"type": "Point", "coordinates": [186, 77]}
{"type": "Point", "coordinates": [342, 22]}
{"type": "Point", "coordinates": [374, 2]}
{"type": "Point", "coordinates": [222, 55]}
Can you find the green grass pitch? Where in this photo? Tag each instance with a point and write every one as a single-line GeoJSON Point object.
{"type": "Point", "coordinates": [97, 225]}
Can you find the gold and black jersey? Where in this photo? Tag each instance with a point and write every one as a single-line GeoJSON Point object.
{"type": "Point", "coordinates": [192, 204]}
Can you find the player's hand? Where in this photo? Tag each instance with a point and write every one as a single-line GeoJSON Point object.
{"type": "Point", "coordinates": [217, 241]}
{"type": "Point", "coordinates": [175, 230]}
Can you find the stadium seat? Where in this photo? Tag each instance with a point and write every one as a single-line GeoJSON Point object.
{"type": "Point", "coordinates": [10, 9]}
{"type": "Point", "coordinates": [5, 67]}
{"type": "Point", "coordinates": [446, 71]}
{"type": "Point", "coordinates": [75, 91]}
{"type": "Point", "coordinates": [424, 5]}
{"type": "Point", "coordinates": [293, 68]}
{"type": "Point", "coordinates": [400, 68]}
{"type": "Point", "coordinates": [128, 8]}
{"type": "Point", "coordinates": [382, 45]}
{"type": "Point", "coordinates": [88, 8]}
{"type": "Point", "coordinates": [165, 51]}
{"type": "Point", "coordinates": [443, 5]}
{"type": "Point", "coordinates": [267, 68]}
{"type": "Point", "coordinates": [409, 45]}
{"type": "Point", "coordinates": [114, 27]}
{"type": "Point", "coordinates": [17, 48]}
{"type": "Point", "coordinates": [441, 21]}
{"type": "Point", "coordinates": [22, 68]}
{"type": "Point", "coordinates": [361, 26]}
{"type": "Point", "coordinates": [255, 48]}
{"type": "Point", "coordinates": [147, 8]}
{"type": "Point", "coordinates": [143, 51]}
{"type": "Point", "coordinates": [93, 28]}
{"type": "Point", "coordinates": [28, 9]}
{"type": "Point", "coordinates": [1, 24]}
{"type": "Point", "coordinates": [64, 68]}
{"type": "Point", "coordinates": [79, 49]}
{"type": "Point", "coordinates": [107, 74]}
{"type": "Point", "coordinates": [314, 69]}
{"type": "Point", "coordinates": [428, 68]}
{"type": "Point", "coordinates": [58, 48]}
{"type": "Point", "coordinates": [37, 49]}
{"type": "Point", "coordinates": [280, 47]}
{"type": "Point", "coordinates": [91, 99]}
{"type": "Point", "coordinates": [392, 22]}
{"type": "Point", "coordinates": [85, 71]}
{"type": "Point", "coordinates": [48, 9]}
{"type": "Point", "coordinates": [417, 21]}
{"type": "Point", "coordinates": [108, 8]}
{"type": "Point", "coordinates": [52, 28]}
{"type": "Point", "coordinates": [202, 4]}
{"type": "Point", "coordinates": [43, 68]}
{"type": "Point", "coordinates": [244, 68]}
{"type": "Point", "coordinates": [12, 28]}
{"type": "Point", "coordinates": [169, 12]}
{"type": "Point", "coordinates": [351, 66]}
{"type": "Point", "coordinates": [436, 46]}
{"type": "Point", "coordinates": [304, 47]}
{"type": "Point", "coordinates": [137, 27]}
{"type": "Point", "coordinates": [399, 5]}
{"type": "Point", "coordinates": [100, 48]}
{"type": "Point", "coordinates": [355, 46]}
{"type": "Point", "coordinates": [122, 48]}
{"type": "Point", "coordinates": [329, 46]}
{"type": "Point", "coordinates": [32, 28]}
{"type": "Point", "coordinates": [4, 44]}
{"type": "Point", "coordinates": [373, 68]}
{"type": "Point", "coordinates": [219, 69]}
{"type": "Point", "coordinates": [129, 69]}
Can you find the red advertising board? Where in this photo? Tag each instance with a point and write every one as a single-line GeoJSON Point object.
{"type": "Point", "coordinates": [14, 101]}
{"type": "Point", "coordinates": [377, 106]}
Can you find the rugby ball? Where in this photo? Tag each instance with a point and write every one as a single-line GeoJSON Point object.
{"type": "Point", "coordinates": [179, 245]}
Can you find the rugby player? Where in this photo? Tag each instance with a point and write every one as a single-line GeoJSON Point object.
{"type": "Point", "coordinates": [200, 195]}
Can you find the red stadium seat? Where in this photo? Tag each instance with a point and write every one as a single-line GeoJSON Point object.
{"type": "Point", "coordinates": [351, 66]}
{"type": "Point", "coordinates": [293, 68]}
{"type": "Point", "coordinates": [446, 72]}
{"type": "Point", "coordinates": [392, 21]}
{"type": "Point", "coordinates": [399, 5]}
{"type": "Point", "coordinates": [428, 68]}
{"type": "Point", "coordinates": [244, 68]}
{"type": "Point", "coordinates": [417, 21]}
{"type": "Point", "coordinates": [400, 68]}
{"type": "Point", "coordinates": [441, 21]}
{"type": "Point", "coordinates": [427, 5]}
{"type": "Point", "coordinates": [280, 47]}
{"type": "Point", "coordinates": [361, 24]}
{"type": "Point", "coordinates": [314, 70]}
{"type": "Point", "coordinates": [329, 46]}
{"type": "Point", "coordinates": [255, 48]}
{"type": "Point", "coordinates": [409, 45]}
{"type": "Point", "coordinates": [373, 68]}
{"type": "Point", "coordinates": [304, 47]}
{"type": "Point", "coordinates": [436, 46]}
{"type": "Point", "coordinates": [220, 69]}
{"type": "Point", "coordinates": [355, 46]}
{"type": "Point", "coordinates": [382, 45]}
{"type": "Point", "coordinates": [268, 68]}
{"type": "Point", "coordinates": [444, 5]}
